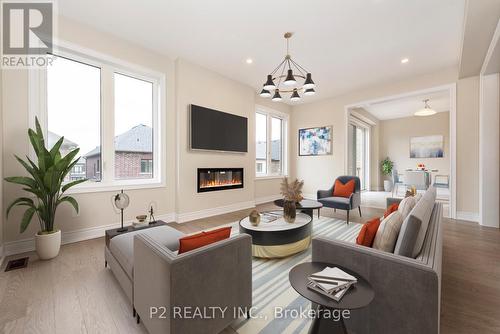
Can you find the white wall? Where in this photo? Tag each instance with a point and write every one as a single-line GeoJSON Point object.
{"type": "Point", "coordinates": [468, 148]}
{"type": "Point", "coordinates": [197, 85]}
{"type": "Point", "coordinates": [395, 137]}
{"type": "Point", "coordinates": [489, 151]}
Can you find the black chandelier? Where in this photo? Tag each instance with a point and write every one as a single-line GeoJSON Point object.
{"type": "Point", "coordinates": [287, 83]}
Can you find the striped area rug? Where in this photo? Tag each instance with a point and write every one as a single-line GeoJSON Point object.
{"type": "Point", "coordinates": [272, 290]}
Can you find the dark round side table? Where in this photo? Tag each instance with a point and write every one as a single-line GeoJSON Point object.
{"type": "Point", "coordinates": [306, 206]}
{"type": "Point", "coordinates": [358, 296]}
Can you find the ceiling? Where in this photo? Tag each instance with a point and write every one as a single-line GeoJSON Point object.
{"type": "Point", "coordinates": [407, 106]}
{"type": "Point", "coordinates": [347, 45]}
{"type": "Point", "coordinates": [481, 20]}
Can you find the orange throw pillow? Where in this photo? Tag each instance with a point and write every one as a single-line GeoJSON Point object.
{"type": "Point", "coordinates": [202, 239]}
{"type": "Point", "coordinates": [393, 207]}
{"type": "Point", "coordinates": [343, 190]}
{"type": "Point", "coordinates": [368, 232]}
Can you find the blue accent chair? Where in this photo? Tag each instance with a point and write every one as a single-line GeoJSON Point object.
{"type": "Point", "coordinates": [326, 197]}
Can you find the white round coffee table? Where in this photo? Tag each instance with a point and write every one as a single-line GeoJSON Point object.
{"type": "Point", "coordinates": [278, 238]}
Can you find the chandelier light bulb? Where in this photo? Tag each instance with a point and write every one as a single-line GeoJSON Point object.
{"type": "Point", "coordinates": [265, 93]}
{"type": "Point", "coordinates": [290, 79]}
{"type": "Point", "coordinates": [295, 96]}
{"type": "Point", "coordinates": [309, 92]}
{"type": "Point", "coordinates": [277, 96]}
{"type": "Point", "coordinates": [269, 85]}
{"type": "Point", "coordinates": [309, 83]}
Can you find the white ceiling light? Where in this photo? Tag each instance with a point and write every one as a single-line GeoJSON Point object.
{"type": "Point", "coordinates": [249, 60]}
{"type": "Point", "coordinates": [426, 111]}
{"type": "Point", "coordinates": [405, 60]}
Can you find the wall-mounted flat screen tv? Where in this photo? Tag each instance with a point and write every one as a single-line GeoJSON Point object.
{"type": "Point", "coordinates": [217, 131]}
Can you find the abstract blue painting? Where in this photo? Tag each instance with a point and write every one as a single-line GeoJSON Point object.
{"type": "Point", "coordinates": [427, 147]}
{"type": "Point", "coordinates": [315, 141]}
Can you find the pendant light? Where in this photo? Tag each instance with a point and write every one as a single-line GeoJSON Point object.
{"type": "Point", "coordinates": [426, 111]}
{"type": "Point", "coordinates": [276, 96]}
{"type": "Point", "coordinates": [309, 92]}
{"type": "Point", "coordinates": [290, 79]}
{"type": "Point", "coordinates": [265, 93]}
{"type": "Point", "coordinates": [309, 83]}
{"type": "Point", "coordinates": [269, 85]}
{"type": "Point", "coordinates": [295, 96]}
{"type": "Point", "coordinates": [283, 79]}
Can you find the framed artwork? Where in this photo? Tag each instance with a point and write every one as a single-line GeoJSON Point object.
{"type": "Point", "coordinates": [315, 141]}
{"type": "Point", "coordinates": [427, 147]}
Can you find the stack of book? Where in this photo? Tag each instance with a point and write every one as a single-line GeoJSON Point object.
{"type": "Point", "coordinates": [331, 282]}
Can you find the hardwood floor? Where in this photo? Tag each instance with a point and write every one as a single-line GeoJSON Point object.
{"type": "Point", "coordinates": [74, 293]}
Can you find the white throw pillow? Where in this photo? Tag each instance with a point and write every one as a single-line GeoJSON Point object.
{"type": "Point", "coordinates": [406, 205]}
{"type": "Point", "coordinates": [388, 232]}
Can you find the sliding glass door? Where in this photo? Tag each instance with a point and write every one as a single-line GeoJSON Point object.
{"type": "Point", "coordinates": [358, 153]}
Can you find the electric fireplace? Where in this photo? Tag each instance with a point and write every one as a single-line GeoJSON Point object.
{"type": "Point", "coordinates": [213, 179]}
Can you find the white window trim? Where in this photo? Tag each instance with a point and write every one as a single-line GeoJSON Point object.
{"type": "Point", "coordinates": [284, 137]}
{"type": "Point", "coordinates": [37, 102]}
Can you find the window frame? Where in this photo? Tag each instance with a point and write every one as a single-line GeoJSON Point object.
{"type": "Point", "coordinates": [150, 165]}
{"type": "Point", "coordinates": [109, 65]}
{"type": "Point", "coordinates": [284, 117]}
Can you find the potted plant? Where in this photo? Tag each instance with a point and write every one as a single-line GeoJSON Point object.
{"type": "Point", "coordinates": [292, 194]}
{"type": "Point", "coordinates": [387, 166]}
{"type": "Point", "coordinates": [46, 187]}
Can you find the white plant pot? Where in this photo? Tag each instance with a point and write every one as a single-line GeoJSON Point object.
{"type": "Point", "coordinates": [387, 185]}
{"type": "Point", "coordinates": [48, 245]}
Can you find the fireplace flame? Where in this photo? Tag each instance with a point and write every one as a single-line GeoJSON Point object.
{"type": "Point", "coordinates": [219, 183]}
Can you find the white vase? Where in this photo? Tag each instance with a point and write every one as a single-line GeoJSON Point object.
{"type": "Point", "coordinates": [48, 245]}
{"type": "Point", "coordinates": [387, 185]}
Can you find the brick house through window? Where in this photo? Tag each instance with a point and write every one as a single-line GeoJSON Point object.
{"type": "Point", "coordinates": [133, 155]}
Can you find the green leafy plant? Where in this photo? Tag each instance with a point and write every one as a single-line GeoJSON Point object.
{"type": "Point", "coordinates": [387, 166]}
{"type": "Point", "coordinates": [45, 182]}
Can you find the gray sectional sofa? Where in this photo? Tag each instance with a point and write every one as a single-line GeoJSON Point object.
{"type": "Point", "coordinates": [407, 286]}
{"type": "Point", "coordinates": [159, 282]}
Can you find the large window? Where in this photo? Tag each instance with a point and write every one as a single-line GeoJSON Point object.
{"type": "Point", "coordinates": [261, 143]}
{"type": "Point", "coordinates": [74, 111]}
{"type": "Point", "coordinates": [133, 127]}
{"type": "Point", "coordinates": [110, 111]}
{"type": "Point", "coordinates": [270, 137]}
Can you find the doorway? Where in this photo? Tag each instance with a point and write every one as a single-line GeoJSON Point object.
{"type": "Point", "coordinates": [391, 108]}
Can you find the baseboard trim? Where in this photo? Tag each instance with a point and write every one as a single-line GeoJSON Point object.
{"type": "Point", "coordinates": [189, 216]}
{"type": "Point", "coordinates": [468, 216]}
{"type": "Point", "coordinates": [28, 245]}
{"type": "Point", "coordinates": [267, 199]}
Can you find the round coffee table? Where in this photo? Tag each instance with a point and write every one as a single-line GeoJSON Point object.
{"type": "Point", "coordinates": [358, 296]}
{"type": "Point", "coordinates": [306, 206]}
{"type": "Point", "coordinates": [278, 238]}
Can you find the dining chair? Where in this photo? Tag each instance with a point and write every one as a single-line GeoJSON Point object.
{"type": "Point", "coordinates": [396, 181]}
{"type": "Point", "coordinates": [441, 181]}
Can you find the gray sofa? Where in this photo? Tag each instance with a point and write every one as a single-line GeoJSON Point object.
{"type": "Point", "coordinates": [159, 282]}
{"type": "Point", "coordinates": [407, 288]}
